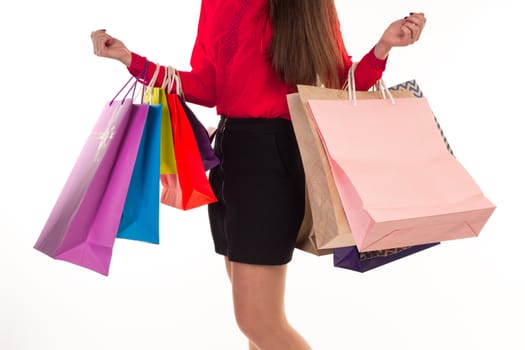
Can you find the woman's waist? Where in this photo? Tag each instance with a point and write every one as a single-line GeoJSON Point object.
{"type": "Point", "coordinates": [255, 123]}
{"type": "Point", "coordinates": [253, 102]}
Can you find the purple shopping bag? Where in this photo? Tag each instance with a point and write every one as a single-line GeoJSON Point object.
{"type": "Point", "coordinates": [84, 221]}
{"type": "Point", "coordinates": [209, 158]}
{"type": "Point", "coordinates": [350, 258]}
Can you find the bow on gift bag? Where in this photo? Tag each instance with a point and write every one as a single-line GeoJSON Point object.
{"type": "Point", "coordinates": [189, 188]}
{"type": "Point", "coordinates": [398, 185]}
{"type": "Point", "coordinates": [84, 222]}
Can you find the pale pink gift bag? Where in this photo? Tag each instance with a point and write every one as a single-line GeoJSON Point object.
{"type": "Point", "coordinates": [399, 186]}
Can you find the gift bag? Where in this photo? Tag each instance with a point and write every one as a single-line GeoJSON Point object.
{"type": "Point", "coordinates": [83, 224]}
{"type": "Point", "coordinates": [410, 88]}
{"type": "Point", "coordinates": [157, 95]}
{"type": "Point", "coordinates": [324, 225]}
{"type": "Point", "coordinates": [168, 164]}
{"type": "Point", "coordinates": [140, 217]}
{"type": "Point", "coordinates": [209, 158]}
{"type": "Point", "coordinates": [190, 187]}
{"type": "Point", "coordinates": [399, 186]}
{"type": "Point", "coordinates": [352, 259]}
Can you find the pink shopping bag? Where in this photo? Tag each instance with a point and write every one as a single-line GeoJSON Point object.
{"type": "Point", "coordinates": [83, 224]}
{"type": "Point", "coordinates": [399, 186]}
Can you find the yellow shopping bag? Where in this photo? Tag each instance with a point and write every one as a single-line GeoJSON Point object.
{"type": "Point", "coordinates": [168, 164]}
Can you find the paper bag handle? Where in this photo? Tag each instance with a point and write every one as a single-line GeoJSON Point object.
{"type": "Point", "coordinates": [379, 85]}
{"type": "Point", "coordinates": [170, 77]}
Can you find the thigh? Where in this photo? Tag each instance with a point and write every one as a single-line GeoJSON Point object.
{"type": "Point", "coordinates": [258, 290]}
{"type": "Point", "coordinates": [228, 265]}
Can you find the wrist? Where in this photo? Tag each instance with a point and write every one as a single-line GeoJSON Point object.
{"type": "Point", "coordinates": [381, 50]}
{"type": "Point", "coordinates": [126, 58]}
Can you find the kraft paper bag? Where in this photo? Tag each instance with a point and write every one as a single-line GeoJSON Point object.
{"type": "Point", "coordinates": [325, 225]}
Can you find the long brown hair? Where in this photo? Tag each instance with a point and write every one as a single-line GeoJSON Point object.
{"type": "Point", "coordinates": [306, 41]}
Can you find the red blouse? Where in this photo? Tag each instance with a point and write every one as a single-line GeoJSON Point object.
{"type": "Point", "coordinates": [230, 68]}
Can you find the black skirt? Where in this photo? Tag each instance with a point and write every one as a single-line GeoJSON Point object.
{"type": "Point", "coordinates": [260, 187]}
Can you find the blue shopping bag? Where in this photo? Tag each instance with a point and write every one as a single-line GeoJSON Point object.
{"type": "Point", "coordinates": [140, 217]}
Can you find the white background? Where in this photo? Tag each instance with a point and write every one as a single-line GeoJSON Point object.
{"type": "Point", "coordinates": [465, 294]}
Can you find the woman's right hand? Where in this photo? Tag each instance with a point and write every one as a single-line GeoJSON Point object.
{"type": "Point", "coordinates": [104, 45]}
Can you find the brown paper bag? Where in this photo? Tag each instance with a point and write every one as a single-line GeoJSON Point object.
{"type": "Point", "coordinates": [325, 225]}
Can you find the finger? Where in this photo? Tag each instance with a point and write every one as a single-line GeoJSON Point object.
{"type": "Point", "coordinates": [420, 29]}
{"type": "Point", "coordinates": [407, 34]}
{"type": "Point", "coordinates": [104, 44]}
{"type": "Point", "coordinates": [418, 14]}
{"type": "Point", "coordinates": [101, 41]}
{"type": "Point", "coordinates": [417, 19]}
{"type": "Point", "coordinates": [96, 44]}
{"type": "Point", "coordinates": [100, 46]}
{"type": "Point", "coordinates": [97, 32]}
{"type": "Point", "coordinates": [414, 31]}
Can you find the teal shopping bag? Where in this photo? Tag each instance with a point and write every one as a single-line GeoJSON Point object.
{"type": "Point", "coordinates": [140, 218]}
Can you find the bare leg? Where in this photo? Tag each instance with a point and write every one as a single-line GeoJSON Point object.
{"type": "Point", "coordinates": [229, 271]}
{"type": "Point", "coordinates": [258, 296]}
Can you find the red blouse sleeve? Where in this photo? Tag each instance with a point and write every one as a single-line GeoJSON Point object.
{"type": "Point", "coordinates": [199, 84]}
{"type": "Point", "coordinates": [368, 71]}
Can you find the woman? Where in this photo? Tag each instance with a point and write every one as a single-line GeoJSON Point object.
{"type": "Point", "coordinates": [247, 56]}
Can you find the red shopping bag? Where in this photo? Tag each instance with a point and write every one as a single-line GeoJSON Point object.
{"type": "Point", "coordinates": [189, 188]}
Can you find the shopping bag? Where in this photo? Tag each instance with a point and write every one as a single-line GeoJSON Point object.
{"type": "Point", "coordinates": [140, 217]}
{"type": "Point", "coordinates": [399, 186]}
{"type": "Point", "coordinates": [157, 96]}
{"type": "Point", "coordinates": [324, 225]}
{"type": "Point", "coordinates": [410, 88]}
{"type": "Point", "coordinates": [201, 133]}
{"type": "Point", "coordinates": [83, 224]}
{"type": "Point", "coordinates": [189, 188]}
{"type": "Point", "coordinates": [209, 158]}
{"type": "Point", "coordinates": [352, 259]}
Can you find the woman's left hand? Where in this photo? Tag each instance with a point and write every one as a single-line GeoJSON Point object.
{"type": "Point", "coordinates": [402, 32]}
